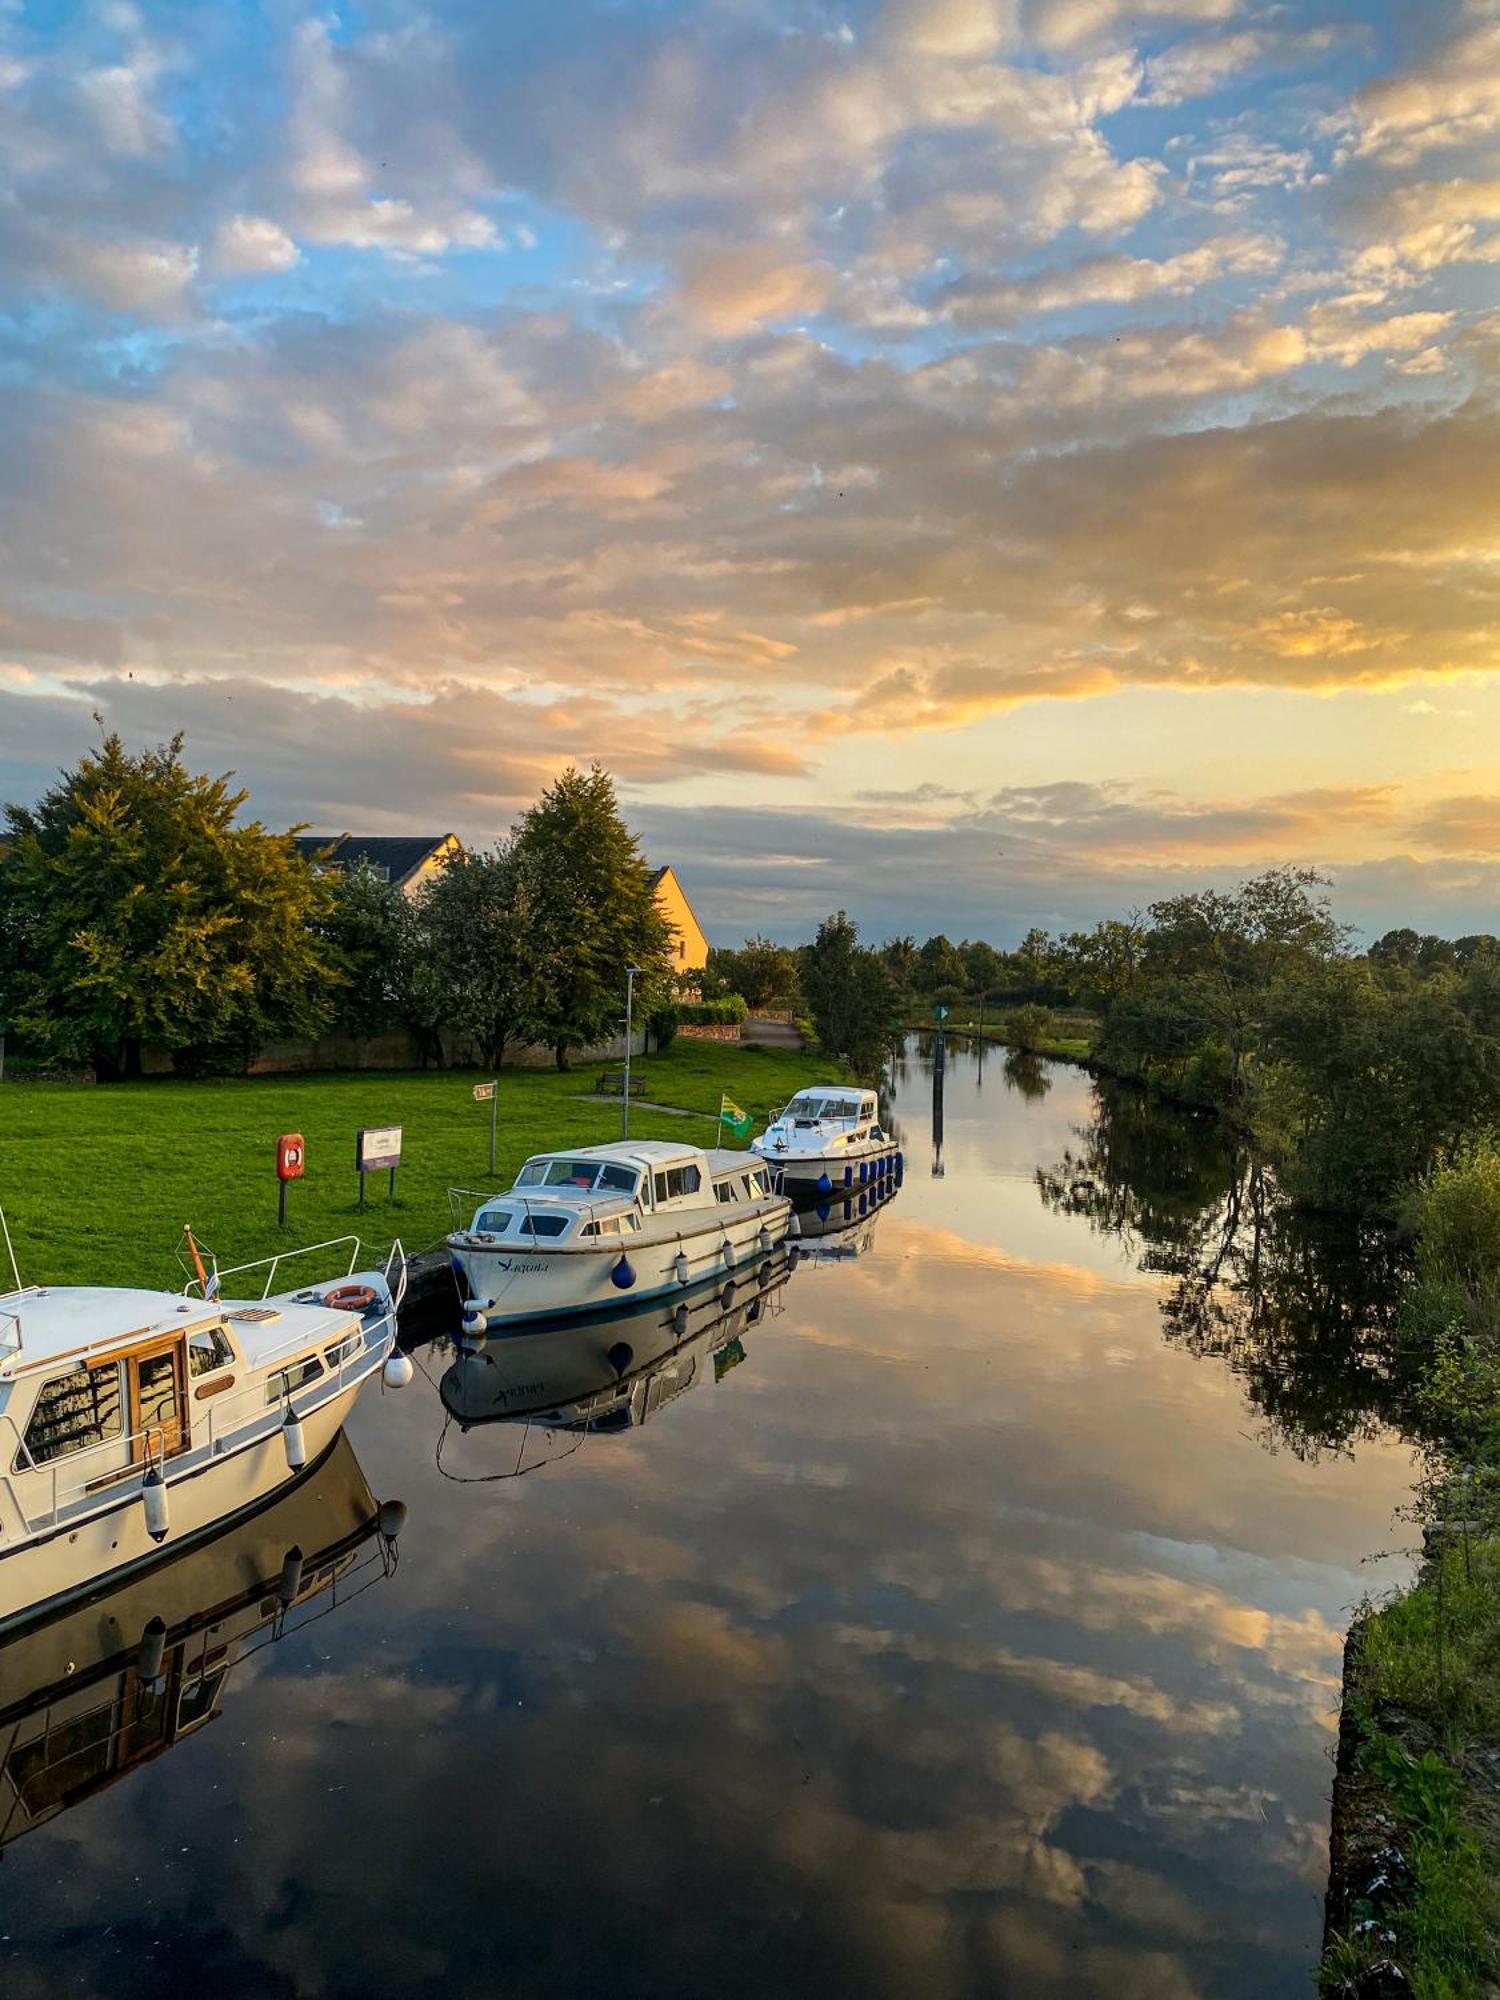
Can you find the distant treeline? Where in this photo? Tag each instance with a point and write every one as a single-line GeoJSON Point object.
{"type": "Point", "coordinates": [1357, 1071]}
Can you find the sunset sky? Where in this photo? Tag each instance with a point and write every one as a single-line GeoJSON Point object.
{"type": "Point", "coordinates": [980, 462]}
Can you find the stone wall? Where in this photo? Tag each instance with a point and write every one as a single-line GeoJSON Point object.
{"type": "Point", "coordinates": [712, 1031]}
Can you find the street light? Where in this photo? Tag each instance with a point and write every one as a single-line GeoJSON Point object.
{"type": "Point", "coordinates": [630, 978]}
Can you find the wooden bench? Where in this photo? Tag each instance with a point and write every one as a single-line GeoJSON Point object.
{"type": "Point", "coordinates": [612, 1084]}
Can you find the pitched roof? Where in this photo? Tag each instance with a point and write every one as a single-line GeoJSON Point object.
{"type": "Point", "coordinates": [399, 855]}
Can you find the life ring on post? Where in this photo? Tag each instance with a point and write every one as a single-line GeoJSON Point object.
{"type": "Point", "coordinates": [351, 1298]}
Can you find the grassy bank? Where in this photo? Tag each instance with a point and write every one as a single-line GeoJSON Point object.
{"type": "Point", "coordinates": [1420, 1776]}
{"type": "Point", "coordinates": [97, 1181]}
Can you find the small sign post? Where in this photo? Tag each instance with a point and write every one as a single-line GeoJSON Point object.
{"type": "Point", "coordinates": [291, 1163]}
{"type": "Point", "coordinates": [489, 1093]}
{"type": "Point", "coordinates": [377, 1148]}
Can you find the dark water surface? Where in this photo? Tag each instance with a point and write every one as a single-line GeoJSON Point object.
{"type": "Point", "coordinates": [969, 1624]}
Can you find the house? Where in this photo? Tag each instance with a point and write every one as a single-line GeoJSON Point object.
{"type": "Point", "coordinates": [691, 946]}
{"type": "Point", "coordinates": [408, 860]}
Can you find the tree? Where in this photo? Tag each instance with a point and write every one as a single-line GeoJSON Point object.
{"type": "Point", "coordinates": [364, 931]}
{"type": "Point", "coordinates": [483, 930]}
{"type": "Point", "coordinates": [984, 968]}
{"type": "Point", "coordinates": [938, 964]}
{"type": "Point", "coordinates": [595, 912]}
{"type": "Point", "coordinates": [760, 972]}
{"type": "Point", "coordinates": [139, 912]}
{"type": "Point", "coordinates": [851, 992]}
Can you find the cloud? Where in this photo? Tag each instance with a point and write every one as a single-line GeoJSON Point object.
{"type": "Point", "coordinates": [1113, 280]}
{"type": "Point", "coordinates": [245, 243]}
{"type": "Point", "coordinates": [1450, 99]}
{"type": "Point", "coordinates": [732, 287]}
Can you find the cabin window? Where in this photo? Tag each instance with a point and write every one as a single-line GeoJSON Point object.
{"type": "Point", "coordinates": [208, 1349]}
{"type": "Point", "coordinates": [620, 1180]}
{"type": "Point", "coordinates": [342, 1349]}
{"type": "Point", "coordinates": [493, 1221]}
{"type": "Point", "coordinates": [287, 1381]}
{"type": "Point", "coordinates": [544, 1225]}
{"type": "Point", "coordinates": [724, 1190]}
{"type": "Point", "coordinates": [73, 1412]}
{"type": "Point", "coordinates": [628, 1223]}
{"type": "Point", "coordinates": [676, 1181]}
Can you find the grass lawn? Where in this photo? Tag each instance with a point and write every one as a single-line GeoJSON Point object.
{"type": "Point", "coordinates": [97, 1181]}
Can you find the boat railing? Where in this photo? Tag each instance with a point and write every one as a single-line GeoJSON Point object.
{"type": "Point", "coordinates": [238, 1416]}
{"type": "Point", "coordinates": [195, 1288]}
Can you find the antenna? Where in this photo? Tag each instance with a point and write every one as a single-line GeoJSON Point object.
{"type": "Point", "coordinates": [10, 1250]}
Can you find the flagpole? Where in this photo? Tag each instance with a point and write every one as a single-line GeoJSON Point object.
{"type": "Point", "coordinates": [719, 1128]}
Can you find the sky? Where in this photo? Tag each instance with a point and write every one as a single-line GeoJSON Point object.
{"type": "Point", "coordinates": [979, 463]}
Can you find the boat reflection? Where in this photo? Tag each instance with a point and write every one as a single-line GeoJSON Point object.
{"type": "Point", "coordinates": [837, 1230]}
{"type": "Point", "coordinates": [601, 1375]}
{"type": "Point", "coordinates": [122, 1674]}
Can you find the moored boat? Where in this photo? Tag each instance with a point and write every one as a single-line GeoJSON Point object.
{"type": "Point", "coordinates": [643, 1216]}
{"type": "Point", "coordinates": [134, 1419]}
{"type": "Point", "coordinates": [827, 1139]}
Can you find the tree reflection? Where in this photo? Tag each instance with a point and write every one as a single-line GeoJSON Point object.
{"type": "Point", "coordinates": [1302, 1309]}
{"type": "Point", "coordinates": [1027, 1074]}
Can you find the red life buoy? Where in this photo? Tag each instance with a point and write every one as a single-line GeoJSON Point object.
{"type": "Point", "coordinates": [351, 1298]}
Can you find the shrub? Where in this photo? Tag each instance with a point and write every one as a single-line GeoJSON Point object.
{"type": "Point", "coordinates": [662, 1024]}
{"type": "Point", "coordinates": [1028, 1027]}
{"type": "Point", "coordinates": [728, 1012]}
{"type": "Point", "coordinates": [1455, 1214]}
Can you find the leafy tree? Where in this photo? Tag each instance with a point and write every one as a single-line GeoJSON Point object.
{"type": "Point", "coordinates": [364, 931]}
{"type": "Point", "coordinates": [139, 912]}
{"type": "Point", "coordinates": [1104, 963]}
{"type": "Point", "coordinates": [481, 925]}
{"type": "Point", "coordinates": [595, 912]}
{"type": "Point", "coordinates": [851, 992]}
{"type": "Point", "coordinates": [984, 968]}
{"type": "Point", "coordinates": [902, 960]}
{"type": "Point", "coordinates": [938, 964]}
{"type": "Point", "coordinates": [761, 972]}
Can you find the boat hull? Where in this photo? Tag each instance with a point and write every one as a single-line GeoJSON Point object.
{"type": "Point", "coordinates": [40, 1575]}
{"type": "Point", "coordinates": [567, 1282]}
{"type": "Point", "coordinates": [845, 1169]}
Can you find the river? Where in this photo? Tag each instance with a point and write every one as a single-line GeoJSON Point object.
{"type": "Point", "coordinates": [968, 1624]}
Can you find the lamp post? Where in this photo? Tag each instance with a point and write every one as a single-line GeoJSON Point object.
{"type": "Point", "coordinates": [630, 973]}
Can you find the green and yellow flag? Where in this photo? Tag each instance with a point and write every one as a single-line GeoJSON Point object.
{"type": "Point", "coordinates": [730, 1114]}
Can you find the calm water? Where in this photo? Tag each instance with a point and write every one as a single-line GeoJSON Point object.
{"type": "Point", "coordinates": [969, 1624]}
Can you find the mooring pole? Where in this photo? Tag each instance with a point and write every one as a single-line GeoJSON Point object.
{"type": "Point", "coordinates": [493, 1102]}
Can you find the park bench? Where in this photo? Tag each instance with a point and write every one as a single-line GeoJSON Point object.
{"type": "Point", "coordinates": [612, 1084]}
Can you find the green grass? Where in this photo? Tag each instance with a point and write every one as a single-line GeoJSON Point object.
{"type": "Point", "coordinates": [97, 1181]}
{"type": "Point", "coordinates": [1429, 1662]}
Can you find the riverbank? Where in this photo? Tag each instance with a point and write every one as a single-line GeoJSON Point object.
{"type": "Point", "coordinates": [1063, 1036]}
{"type": "Point", "coordinates": [97, 1180]}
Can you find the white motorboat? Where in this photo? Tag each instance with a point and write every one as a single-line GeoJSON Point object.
{"type": "Point", "coordinates": [643, 1216]}
{"type": "Point", "coordinates": [842, 1226]}
{"type": "Point", "coordinates": [119, 1674]}
{"type": "Point", "coordinates": [135, 1421]}
{"type": "Point", "coordinates": [830, 1138]}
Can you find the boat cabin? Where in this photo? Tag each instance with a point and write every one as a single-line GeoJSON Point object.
{"type": "Point", "coordinates": [831, 1104]}
{"type": "Point", "coordinates": [97, 1382]}
{"type": "Point", "coordinates": [594, 1191]}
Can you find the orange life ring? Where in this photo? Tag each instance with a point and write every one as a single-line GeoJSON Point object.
{"type": "Point", "coordinates": [351, 1298]}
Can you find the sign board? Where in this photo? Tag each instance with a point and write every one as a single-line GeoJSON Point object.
{"type": "Point", "coordinates": [377, 1147]}
{"type": "Point", "coordinates": [291, 1157]}
{"type": "Point", "coordinates": [941, 1013]}
{"type": "Point", "coordinates": [483, 1092]}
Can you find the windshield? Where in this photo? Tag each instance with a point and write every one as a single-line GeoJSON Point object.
{"type": "Point", "coordinates": [824, 1107]}
{"type": "Point", "coordinates": [581, 1176]}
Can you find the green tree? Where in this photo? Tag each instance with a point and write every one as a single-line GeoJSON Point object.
{"type": "Point", "coordinates": [140, 913]}
{"type": "Point", "coordinates": [595, 915]}
{"type": "Point", "coordinates": [483, 929]}
{"type": "Point", "coordinates": [938, 964]}
{"type": "Point", "coordinates": [852, 995]}
{"type": "Point", "coordinates": [363, 929]}
{"type": "Point", "coordinates": [984, 968]}
{"type": "Point", "coordinates": [762, 973]}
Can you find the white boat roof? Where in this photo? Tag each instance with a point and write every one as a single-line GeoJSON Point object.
{"type": "Point", "coordinates": [56, 1320]}
{"type": "Point", "coordinates": [722, 1160]}
{"type": "Point", "coordinates": [627, 1152]}
{"type": "Point", "coordinates": [831, 1090]}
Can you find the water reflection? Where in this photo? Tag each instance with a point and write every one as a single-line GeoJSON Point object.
{"type": "Point", "coordinates": [1301, 1309]}
{"type": "Point", "coordinates": [965, 1645]}
{"type": "Point", "coordinates": [610, 1373]}
{"type": "Point", "coordinates": [115, 1679]}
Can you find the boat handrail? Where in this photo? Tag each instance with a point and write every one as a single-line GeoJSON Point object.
{"type": "Point", "coordinates": [194, 1288]}
{"type": "Point", "coordinates": [616, 1202]}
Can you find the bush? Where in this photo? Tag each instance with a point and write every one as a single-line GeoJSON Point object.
{"type": "Point", "coordinates": [1455, 1214]}
{"type": "Point", "coordinates": [728, 1012]}
{"type": "Point", "coordinates": [662, 1025]}
{"type": "Point", "coordinates": [1028, 1027]}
